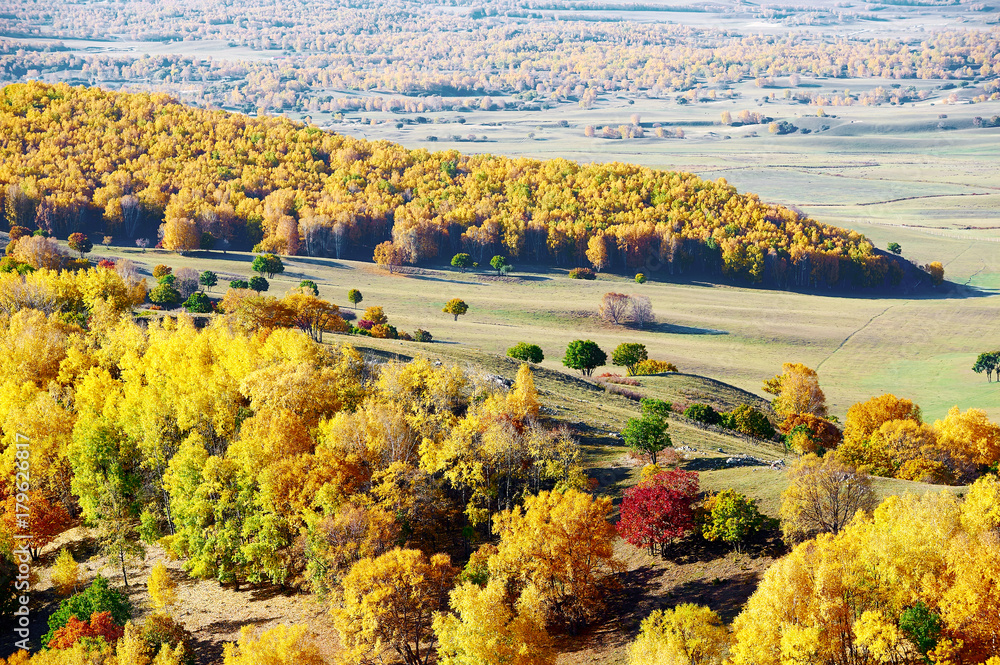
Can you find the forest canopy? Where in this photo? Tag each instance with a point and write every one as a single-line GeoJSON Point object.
{"type": "Point", "coordinates": [130, 165]}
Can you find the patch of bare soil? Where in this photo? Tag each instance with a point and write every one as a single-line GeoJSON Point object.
{"type": "Point", "coordinates": [693, 571]}
{"type": "Point", "coordinates": [214, 613]}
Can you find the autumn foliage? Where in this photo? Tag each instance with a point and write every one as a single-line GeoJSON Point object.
{"type": "Point", "coordinates": [286, 187]}
{"type": "Point", "coordinates": [659, 510]}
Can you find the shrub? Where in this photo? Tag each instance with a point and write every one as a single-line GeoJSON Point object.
{"type": "Point", "coordinates": [462, 261]}
{"type": "Point", "coordinates": [165, 295]}
{"type": "Point", "coordinates": [310, 286]}
{"type": "Point", "coordinates": [198, 303]}
{"type": "Point", "coordinates": [375, 315]}
{"type": "Point", "coordinates": [650, 367]}
{"type": "Point", "coordinates": [731, 517]}
{"type": "Point", "coordinates": [365, 324]}
{"type": "Point", "coordinates": [656, 407]}
{"type": "Point", "coordinates": [239, 284]}
{"type": "Point", "coordinates": [619, 380]}
{"type": "Point", "coordinates": [582, 273]}
{"type": "Point", "coordinates": [623, 392]}
{"type": "Point", "coordinates": [98, 597]}
{"type": "Point", "coordinates": [420, 335]}
{"type": "Point", "coordinates": [750, 421]}
{"type": "Point", "coordinates": [100, 626]}
{"type": "Point", "coordinates": [258, 283]}
{"type": "Point", "coordinates": [161, 270]}
{"type": "Point", "coordinates": [107, 264]}
{"type": "Point", "coordinates": [383, 331]}
{"type": "Point", "coordinates": [628, 355]}
{"type": "Point", "coordinates": [703, 413]}
{"type": "Point", "coordinates": [640, 279]}
{"type": "Point", "coordinates": [405, 336]}
{"type": "Point", "coordinates": [531, 353]}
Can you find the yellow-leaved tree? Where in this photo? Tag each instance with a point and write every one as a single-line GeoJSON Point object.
{"type": "Point", "coordinates": [389, 603]}
{"type": "Point", "coordinates": [796, 390]}
{"type": "Point", "coordinates": [688, 634]}
{"type": "Point", "coordinates": [562, 545]}
{"type": "Point", "coordinates": [162, 588]}
{"type": "Point", "coordinates": [65, 572]}
{"type": "Point", "coordinates": [492, 626]}
{"type": "Point", "coordinates": [281, 645]}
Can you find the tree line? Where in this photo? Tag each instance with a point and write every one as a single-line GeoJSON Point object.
{"type": "Point", "coordinates": [136, 166]}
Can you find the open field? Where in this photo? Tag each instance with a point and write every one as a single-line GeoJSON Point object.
{"type": "Point", "coordinates": [920, 348]}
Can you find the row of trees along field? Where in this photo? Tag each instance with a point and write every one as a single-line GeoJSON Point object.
{"type": "Point", "coordinates": [132, 165]}
{"type": "Point", "coordinates": [262, 456]}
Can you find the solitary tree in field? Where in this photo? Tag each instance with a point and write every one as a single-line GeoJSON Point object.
{"type": "Point", "coordinates": [389, 255]}
{"type": "Point", "coordinates": [456, 307]}
{"type": "Point", "coordinates": [354, 297]}
{"type": "Point", "coordinates": [628, 355]}
{"type": "Point", "coordinates": [647, 434]}
{"type": "Point", "coordinates": [180, 235]}
{"type": "Point", "coordinates": [79, 242]}
{"type": "Point", "coordinates": [614, 307]}
{"type": "Point", "coordinates": [500, 264]}
{"type": "Point", "coordinates": [988, 362]}
{"type": "Point", "coordinates": [208, 279]}
{"type": "Point", "coordinates": [462, 261]}
{"type": "Point", "coordinates": [531, 353]}
{"type": "Point", "coordinates": [258, 284]}
{"type": "Point", "coordinates": [584, 355]}
{"type": "Point", "coordinates": [268, 264]}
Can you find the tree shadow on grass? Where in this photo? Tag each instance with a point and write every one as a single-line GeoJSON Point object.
{"type": "Point", "coordinates": [674, 329]}
{"type": "Point", "coordinates": [725, 596]}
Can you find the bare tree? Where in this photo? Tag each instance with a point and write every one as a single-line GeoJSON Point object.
{"type": "Point", "coordinates": [127, 270]}
{"type": "Point", "coordinates": [131, 214]}
{"type": "Point", "coordinates": [187, 281]}
{"type": "Point", "coordinates": [824, 494]}
{"type": "Point", "coordinates": [613, 307]}
{"type": "Point", "coordinates": [338, 236]}
{"type": "Point", "coordinates": [641, 310]}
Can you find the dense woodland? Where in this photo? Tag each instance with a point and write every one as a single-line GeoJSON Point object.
{"type": "Point", "coordinates": [134, 165]}
{"type": "Point", "coordinates": [437, 55]}
{"type": "Point", "coordinates": [437, 512]}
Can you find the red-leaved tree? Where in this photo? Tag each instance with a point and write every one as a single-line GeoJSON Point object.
{"type": "Point", "coordinates": [46, 519]}
{"type": "Point", "coordinates": [657, 511]}
{"type": "Point", "coordinates": [101, 625]}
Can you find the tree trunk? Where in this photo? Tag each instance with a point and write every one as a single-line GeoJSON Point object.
{"type": "Point", "coordinates": [121, 558]}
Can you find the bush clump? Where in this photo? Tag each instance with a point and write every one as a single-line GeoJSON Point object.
{"type": "Point", "coordinates": [525, 352]}
{"type": "Point", "coordinates": [650, 367]}
{"type": "Point", "coordinates": [703, 413]}
{"type": "Point", "coordinates": [582, 273]}
{"type": "Point", "coordinates": [420, 335]}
